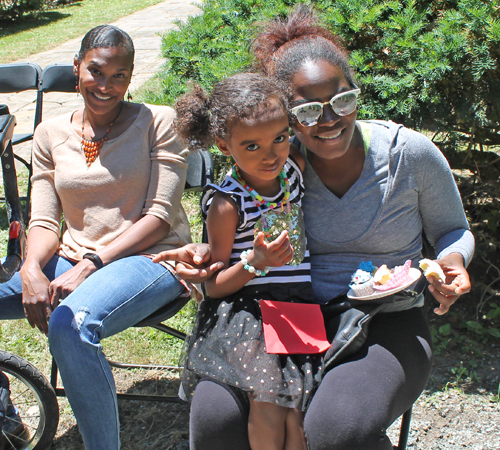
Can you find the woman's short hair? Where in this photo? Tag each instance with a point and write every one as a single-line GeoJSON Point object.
{"type": "Point", "coordinates": [105, 36]}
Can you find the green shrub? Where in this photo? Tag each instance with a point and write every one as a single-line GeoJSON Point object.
{"type": "Point", "coordinates": [13, 9]}
{"type": "Point", "coordinates": [213, 45]}
{"type": "Point", "coordinates": [430, 64]}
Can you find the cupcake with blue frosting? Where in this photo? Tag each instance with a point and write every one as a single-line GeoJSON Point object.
{"type": "Point", "coordinates": [362, 280]}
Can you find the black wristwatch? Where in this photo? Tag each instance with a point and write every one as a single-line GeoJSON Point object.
{"type": "Point", "coordinates": [95, 259]}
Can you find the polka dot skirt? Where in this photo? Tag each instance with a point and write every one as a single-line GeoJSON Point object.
{"type": "Point", "coordinates": [227, 345]}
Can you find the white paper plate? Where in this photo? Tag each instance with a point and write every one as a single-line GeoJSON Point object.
{"type": "Point", "coordinates": [414, 276]}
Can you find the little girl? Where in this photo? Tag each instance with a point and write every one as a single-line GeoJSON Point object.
{"type": "Point", "coordinates": [258, 201]}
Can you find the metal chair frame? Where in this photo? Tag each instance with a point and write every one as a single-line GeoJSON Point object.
{"type": "Point", "coordinates": [20, 77]}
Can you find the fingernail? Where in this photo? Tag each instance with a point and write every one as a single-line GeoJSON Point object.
{"type": "Point", "coordinates": [197, 259]}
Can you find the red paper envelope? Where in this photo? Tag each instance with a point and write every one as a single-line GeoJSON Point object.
{"type": "Point", "coordinates": [293, 328]}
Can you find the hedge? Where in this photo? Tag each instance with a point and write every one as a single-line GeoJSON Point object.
{"type": "Point", "coordinates": [430, 64]}
{"type": "Point", "coordinates": [13, 9]}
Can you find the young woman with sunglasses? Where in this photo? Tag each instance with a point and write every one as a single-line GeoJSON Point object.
{"type": "Point", "coordinates": [372, 189]}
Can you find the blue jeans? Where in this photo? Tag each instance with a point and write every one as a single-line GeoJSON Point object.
{"type": "Point", "coordinates": [111, 300]}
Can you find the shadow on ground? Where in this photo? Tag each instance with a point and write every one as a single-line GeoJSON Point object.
{"type": "Point", "coordinates": [9, 27]}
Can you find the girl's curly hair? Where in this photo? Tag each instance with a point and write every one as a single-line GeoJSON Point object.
{"type": "Point", "coordinates": [245, 96]}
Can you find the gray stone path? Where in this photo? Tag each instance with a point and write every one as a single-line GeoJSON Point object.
{"type": "Point", "coordinates": [145, 27]}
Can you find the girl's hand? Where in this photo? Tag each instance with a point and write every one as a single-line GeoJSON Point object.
{"type": "Point", "coordinates": [36, 298]}
{"type": "Point", "coordinates": [66, 283]}
{"type": "Point", "coordinates": [457, 282]}
{"type": "Point", "coordinates": [273, 254]}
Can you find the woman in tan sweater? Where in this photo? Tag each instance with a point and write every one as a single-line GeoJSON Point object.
{"type": "Point", "coordinates": [116, 170]}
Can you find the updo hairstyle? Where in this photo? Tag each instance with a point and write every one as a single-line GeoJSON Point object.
{"type": "Point", "coordinates": [245, 96]}
{"type": "Point", "coordinates": [287, 44]}
{"type": "Point", "coordinates": [105, 36]}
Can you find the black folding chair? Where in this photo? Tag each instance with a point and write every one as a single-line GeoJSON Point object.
{"type": "Point", "coordinates": [17, 235]}
{"type": "Point", "coordinates": [19, 77]}
{"type": "Point", "coordinates": [15, 78]}
{"type": "Point", "coordinates": [56, 78]}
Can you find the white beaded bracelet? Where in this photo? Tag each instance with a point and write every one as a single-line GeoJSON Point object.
{"type": "Point", "coordinates": [252, 269]}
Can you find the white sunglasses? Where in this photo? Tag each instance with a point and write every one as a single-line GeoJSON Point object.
{"type": "Point", "coordinates": [343, 104]}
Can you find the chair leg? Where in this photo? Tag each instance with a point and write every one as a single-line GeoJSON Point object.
{"type": "Point", "coordinates": [405, 429]}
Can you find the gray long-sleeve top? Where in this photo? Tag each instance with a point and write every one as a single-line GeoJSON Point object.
{"type": "Point", "coordinates": [406, 187]}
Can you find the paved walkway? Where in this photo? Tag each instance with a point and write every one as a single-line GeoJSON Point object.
{"type": "Point", "coordinates": [145, 27]}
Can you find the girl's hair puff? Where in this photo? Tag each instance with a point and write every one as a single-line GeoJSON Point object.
{"type": "Point", "coordinates": [105, 36]}
{"type": "Point", "coordinates": [245, 96]}
{"type": "Point", "coordinates": [286, 44]}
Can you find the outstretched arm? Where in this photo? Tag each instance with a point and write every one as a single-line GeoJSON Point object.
{"type": "Point", "coordinates": [140, 236]}
{"type": "Point", "coordinates": [192, 262]}
{"type": "Point", "coordinates": [222, 222]}
{"type": "Point", "coordinates": [444, 223]}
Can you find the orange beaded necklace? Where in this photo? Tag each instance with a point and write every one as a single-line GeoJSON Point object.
{"type": "Point", "coordinates": [90, 147]}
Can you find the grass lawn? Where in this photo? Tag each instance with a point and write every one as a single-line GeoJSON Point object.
{"type": "Point", "coordinates": [53, 27]}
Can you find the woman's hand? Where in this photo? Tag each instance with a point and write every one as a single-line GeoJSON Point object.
{"type": "Point", "coordinates": [66, 283]}
{"type": "Point", "coordinates": [42, 244]}
{"type": "Point", "coordinates": [192, 260]}
{"type": "Point", "coordinates": [457, 282]}
{"type": "Point", "coordinates": [273, 254]}
{"type": "Point", "coordinates": [36, 298]}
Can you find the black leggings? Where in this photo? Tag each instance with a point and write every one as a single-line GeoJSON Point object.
{"type": "Point", "coordinates": [355, 403]}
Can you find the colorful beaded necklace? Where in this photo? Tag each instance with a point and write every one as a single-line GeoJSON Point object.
{"type": "Point", "coordinates": [256, 197]}
{"type": "Point", "coordinates": [92, 148]}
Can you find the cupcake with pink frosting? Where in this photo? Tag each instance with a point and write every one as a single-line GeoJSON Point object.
{"type": "Point", "coordinates": [386, 279]}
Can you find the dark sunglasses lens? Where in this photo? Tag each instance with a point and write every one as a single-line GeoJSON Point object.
{"type": "Point", "coordinates": [309, 115]}
{"type": "Point", "coordinates": [345, 104]}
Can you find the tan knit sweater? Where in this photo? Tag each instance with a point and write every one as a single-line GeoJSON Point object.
{"type": "Point", "coordinates": [143, 171]}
